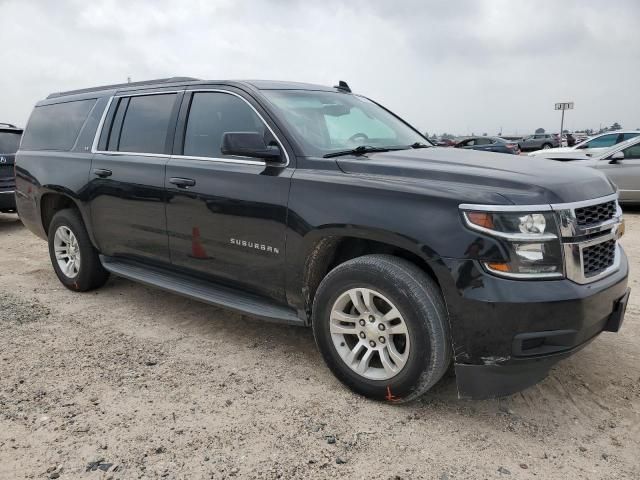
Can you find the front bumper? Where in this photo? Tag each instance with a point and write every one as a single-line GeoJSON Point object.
{"type": "Point", "coordinates": [7, 200]}
{"type": "Point", "coordinates": [507, 334]}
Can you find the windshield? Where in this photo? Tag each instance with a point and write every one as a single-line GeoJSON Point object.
{"type": "Point", "coordinates": [326, 122]}
{"type": "Point", "coordinates": [9, 142]}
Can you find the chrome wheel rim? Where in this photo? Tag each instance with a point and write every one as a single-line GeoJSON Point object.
{"type": "Point", "coordinates": [369, 334]}
{"type": "Point", "coordinates": [67, 251]}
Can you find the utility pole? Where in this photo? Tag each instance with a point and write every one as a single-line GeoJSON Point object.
{"type": "Point", "coordinates": [563, 106]}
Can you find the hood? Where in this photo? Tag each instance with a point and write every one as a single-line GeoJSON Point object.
{"type": "Point", "coordinates": [520, 180]}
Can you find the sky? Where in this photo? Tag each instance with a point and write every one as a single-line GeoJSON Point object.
{"type": "Point", "coordinates": [458, 66]}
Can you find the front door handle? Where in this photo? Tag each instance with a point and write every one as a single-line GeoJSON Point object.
{"type": "Point", "coordinates": [182, 182]}
{"type": "Point", "coordinates": [102, 172]}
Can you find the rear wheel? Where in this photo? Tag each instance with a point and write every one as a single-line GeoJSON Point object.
{"type": "Point", "coordinates": [73, 256]}
{"type": "Point", "coordinates": [381, 325]}
{"type": "Point", "coordinates": [546, 146]}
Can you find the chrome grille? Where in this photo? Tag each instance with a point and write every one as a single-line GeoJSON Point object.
{"type": "Point", "coordinates": [594, 214]}
{"type": "Point", "coordinates": [598, 258]}
{"type": "Point", "coordinates": [589, 233]}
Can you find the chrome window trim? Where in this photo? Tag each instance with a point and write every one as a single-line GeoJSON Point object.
{"type": "Point", "coordinates": [240, 160]}
{"type": "Point", "coordinates": [7, 192]}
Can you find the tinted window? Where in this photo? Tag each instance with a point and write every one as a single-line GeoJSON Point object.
{"type": "Point", "coordinates": [56, 127]}
{"type": "Point", "coordinates": [603, 141]}
{"type": "Point", "coordinates": [211, 115]}
{"type": "Point", "coordinates": [9, 142]}
{"type": "Point", "coordinates": [628, 136]}
{"type": "Point", "coordinates": [484, 141]}
{"type": "Point", "coordinates": [145, 124]}
{"type": "Point", "coordinates": [632, 152]}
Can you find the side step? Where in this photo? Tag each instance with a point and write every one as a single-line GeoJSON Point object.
{"type": "Point", "coordinates": [207, 292]}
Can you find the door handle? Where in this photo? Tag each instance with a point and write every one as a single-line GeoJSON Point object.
{"type": "Point", "coordinates": [102, 172]}
{"type": "Point", "coordinates": [182, 182]}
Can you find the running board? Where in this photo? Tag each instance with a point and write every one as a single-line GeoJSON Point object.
{"type": "Point", "coordinates": [201, 290]}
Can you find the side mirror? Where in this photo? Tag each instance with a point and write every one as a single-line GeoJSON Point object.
{"type": "Point", "coordinates": [616, 156]}
{"type": "Point", "coordinates": [249, 144]}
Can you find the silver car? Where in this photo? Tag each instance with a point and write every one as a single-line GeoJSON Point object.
{"type": "Point", "coordinates": [594, 145]}
{"type": "Point", "coordinates": [621, 163]}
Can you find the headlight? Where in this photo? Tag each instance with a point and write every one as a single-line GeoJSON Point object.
{"type": "Point", "coordinates": [530, 238]}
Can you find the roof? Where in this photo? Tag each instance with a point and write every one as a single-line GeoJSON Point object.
{"type": "Point", "coordinates": [186, 81]}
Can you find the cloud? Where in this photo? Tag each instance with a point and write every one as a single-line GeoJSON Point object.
{"type": "Point", "coordinates": [455, 66]}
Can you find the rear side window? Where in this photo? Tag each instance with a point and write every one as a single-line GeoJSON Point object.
{"type": "Point", "coordinates": [56, 127]}
{"type": "Point", "coordinates": [141, 124]}
{"type": "Point", "coordinates": [9, 142]}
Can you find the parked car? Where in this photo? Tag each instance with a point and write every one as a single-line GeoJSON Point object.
{"type": "Point", "coordinates": [489, 144]}
{"type": "Point", "coordinates": [445, 142]}
{"type": "Point", "coordinates": [9, 141]}
{"type": "Point", "coordinates": [539, 141]}
{"type": "Point", "coordinates": [621, 163]}
{"type": "Point", "coordinates": [593, 145]}
{"type": "Point", "coordinates": [313, 206]}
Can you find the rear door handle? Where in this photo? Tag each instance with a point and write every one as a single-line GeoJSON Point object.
{"type": "Point", "coordinates": [182, 182]}
{"type": "Point", "coordinates": [102, 172]}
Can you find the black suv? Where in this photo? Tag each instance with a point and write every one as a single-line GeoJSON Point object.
{"type": "Point", "coordinates": [9, 142]}
{"type": "Point", "coordinates": [314, 206]}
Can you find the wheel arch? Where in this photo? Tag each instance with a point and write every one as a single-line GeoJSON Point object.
{"type": "Point", "coordinates": [51, 202]}
{"type": "Point", "coordinates": [335, 247]}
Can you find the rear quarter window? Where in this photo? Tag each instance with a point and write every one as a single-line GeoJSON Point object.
{"type": "Point", "coordinates": [56, 126]}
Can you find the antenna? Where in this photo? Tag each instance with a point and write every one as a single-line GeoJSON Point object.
{"type": "Point", "coordinates": [342, 85]}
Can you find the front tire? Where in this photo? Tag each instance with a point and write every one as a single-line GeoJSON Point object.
{"type": "Point", "coordinates": [381, 325]}
{"type": "Point", "coordinates": [547, 146]}
{"type": "Point", "coordinates": [72, 254]}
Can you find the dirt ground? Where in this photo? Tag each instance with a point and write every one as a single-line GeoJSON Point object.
{"type": "Point", "coordinates": [132, 382]}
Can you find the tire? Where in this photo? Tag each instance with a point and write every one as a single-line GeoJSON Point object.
{"type": "Point", "coordinates": [546, 146]}
{"type": "Point", "coordinates": [89, 274]}
{"type": "Point", "coordinates": [419, 303]}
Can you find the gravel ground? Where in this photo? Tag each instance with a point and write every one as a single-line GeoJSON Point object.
{"type": "Point", "coordinates": [131, 382]}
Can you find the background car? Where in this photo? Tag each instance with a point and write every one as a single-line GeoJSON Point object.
{"type": "Point", "coordinates": [621, 163]}
{"type": "Point", "coordinates": [539, 141]}
{"type": "Point", "coordinates": [594, 145]}
{"type": "Point", "coordinates": [489, 144]}
{"type": "Point", "coordinates": [9, 141]}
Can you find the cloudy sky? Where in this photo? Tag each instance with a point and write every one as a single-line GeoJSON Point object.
{"type": "Point", "coordinates": [446, 66]}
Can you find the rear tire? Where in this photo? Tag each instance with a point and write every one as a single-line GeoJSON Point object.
{"type": "Point", "coordinates": [384, 354]}
{"type": "Point", "coordinates": [72, 254]}
{"type": "Point", "coordinates": [546, 146]}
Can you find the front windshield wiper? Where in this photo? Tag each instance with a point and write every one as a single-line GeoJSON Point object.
{"type": "Point", "coordinates": [361, 150]}
{"type": "Point", "coordinates": [420, 145]}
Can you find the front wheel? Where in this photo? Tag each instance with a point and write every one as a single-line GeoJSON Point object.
{"type": "Point", "coordinates": [382, 327]}
{"type": "Point", "coordinates": [546, 146]}
{"type": "Point", "coordinates": [73, 256]}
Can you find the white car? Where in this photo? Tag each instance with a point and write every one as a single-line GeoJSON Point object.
{"type": "Point", "coordinates": [620, 163]}
{"type": "Point", "coordinates": [593, 145]}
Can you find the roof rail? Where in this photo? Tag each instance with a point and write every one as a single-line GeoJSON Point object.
{"type": "Point", "coordinates": [10, 125]}
{"type": "Point", "coordinates": [122, 85]}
